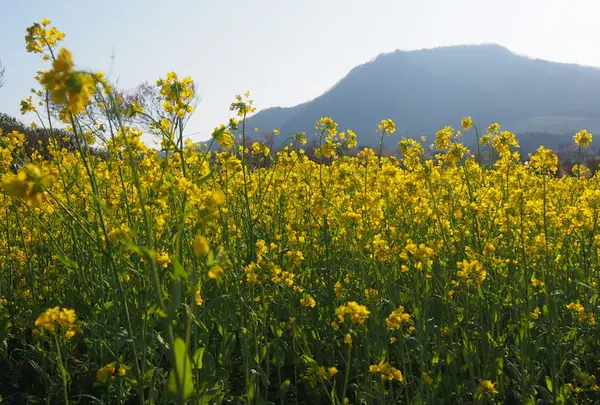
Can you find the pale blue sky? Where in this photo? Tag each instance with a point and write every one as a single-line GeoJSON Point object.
{"type": "Point", "coordinates": [284, 52]}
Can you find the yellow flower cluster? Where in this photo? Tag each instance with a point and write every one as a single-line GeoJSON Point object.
{"type": "Point", "coordinates": [420, 251]}
{"type": "Point", "coordinates": [504, 142]}
{"type": "Point", "coordinates": [162, 258]}
{"type": "Point", "coordinates": [110, 373]}
{"type": "Point", "coordinates": [387, 126]}
{"type": "Point", "coordinates": [224, 137]}
{"type": "Point", "coordinates": [66, 86]}
{"type": "Point", "coordinates": [12, 140]}
{"type": "Point", "coordinates": [198, 297]}
{"type": "Point", "coordinates": [397, 319]}
{"type": "Point", "coordinates": [588, 381]}
{"type": "Point", "coordinates": [216, 272]}
{"type": "Point", "coordinates": [9, 144]}
{"type": "Point", "coordinates": [466, 123]}
{"type": "Point", "coordinates": [259, 148]}
{"type": "Point", "coordinates": [200, 246]}
{"type": "Point", "coordinates": [443, 137]}
{"type": "Point", "coordinates": [544, 161]}
{"type": "Point", "coordinates": [242, 105]}
{"type": "Point", "coordinates": [123, 231]}
{"type": "Point", "coordinates": [486, 386]}
{"type": "Point", "coordinates": [308, 301]}
{"type": "Point", "coordinates": [58, 321]}
{"type": "Point", "coordinates": [315, 374]}
{"type": "Point", "coordinates": [281, 276]}
{"type": "Point", "coordinates": [386, 372]}
{"type": "Point", "coordinates": [471, 272]}
{"type": "Point", "coordinates": [358, 313]}
{"type": "Point", "coordinates": [178, 95]}
{"type": "Point", "coordinates": [582, 315]}
{"type": "Point", "coordinates": [583, 138]}
{"type": "Point", "coordinates": [29, 184]}
{"type": "Point", "coordinates": [40, 37]}
{"type": "Point", "coordinates": [331, 141]}
{"type": "Point", "coordinates": [372, 295]}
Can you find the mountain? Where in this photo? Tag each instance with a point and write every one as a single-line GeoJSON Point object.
{"type": "Point", "coordinates": [425, 90]}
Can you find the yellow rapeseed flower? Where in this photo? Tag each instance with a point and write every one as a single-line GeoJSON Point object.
{"type": "Point", "coordinates": [358, 313]}
{"type": "Point", "coordinates": [397, 318]}
{"type": "Point", "coordinates": [471, 272]}
{"type": "Point", "coordinates": [58, 321]}
{"type": "Point", "coordinates": [386, 372]}
{"type": "Point", "coordinates": [348, 339]}
{"type": "Point", "coordinates": [198, 297]}
{"type": "Point", "coordinates": [200, 246]}
{"type": "Point", "coordinates": [29, 184]}
{"type": "Point", "coordinates": [387, 126]}
{"type": "Point", "coordinates": [215, 272]}
{"type": "Point", "coordinates": [486, 386]}
{"type": "Point", "coordinates": [109, 373]}
{"type": "Point", "coordinates": [66, 86]}
{"type": "Point", "coordinates": [466, 123]}
{"type": "Point", "coordinates": [162, 258]}
{"type": "Point", "coordinates": [583, 138]}
{"type": "Point", "coordinates": [308, 301]}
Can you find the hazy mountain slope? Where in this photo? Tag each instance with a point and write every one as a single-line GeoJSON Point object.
{"type": "Point", "coordinates": [425, 90]}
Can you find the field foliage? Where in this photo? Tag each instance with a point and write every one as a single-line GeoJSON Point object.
{"type": "Point", "coordinates": [130, 275]}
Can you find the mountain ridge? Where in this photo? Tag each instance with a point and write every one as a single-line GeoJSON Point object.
{"type": "Point", "coordinates": [426, 89]}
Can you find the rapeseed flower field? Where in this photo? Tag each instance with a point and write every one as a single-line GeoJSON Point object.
{"type": "Point", "coordinates": [130, 275]}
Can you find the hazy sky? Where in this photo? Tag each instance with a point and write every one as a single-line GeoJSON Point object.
{"type": "Point", "coordinates": [284, 52]}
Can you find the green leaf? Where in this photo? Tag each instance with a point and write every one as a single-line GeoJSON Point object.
{"type": "Point", "coordinates": [209, 363]}
{"type": "Point", "coordinates": [70, 264]}
{"type": "Point", "coordinates": [227, 348]}
{"type": "Point", "coordinates": [260, 354]}
{"type": "Point", "coordinates": [277, 331]}
{"type": "Point", "coordinates": [210, 258]}
{"type": "Point", "coordinates": [139, 250]}
{"type": "Point", "coordinates": [203, 179]}
{"type": "Point", "coordinates": [546, 396]}
{"type": "Point", "coordinates": [500, 365]}
{"type": "Point", "coordinates": [211, 396]}
{"type": "Point", "coordinates": [261, 373]}
{"type": "Point", "coordinates": [278, 358]}
{"type": "Point", "coordinates": [572, 335]}
{"type": "Point", "coordinates": [180, 378]}
{"type": "Point", "coordinates": [285, 387]}
{"type": "Point", "coordinates": [563, 394]}
{"type": "Point", "coordinates": [549, 383]}
{"type": "Point", "coordinates": [250, 392]}
{"type": "Point", "coordinates": [222, 375]}
{"type": "Point", "coordinates": [307, 360]}
{"type": "Point", "coordinates": [147, 378]}
{"type": "Point", "coordinates": [178, 270]}
{"type": "Point", "coordinates": [197, 358]}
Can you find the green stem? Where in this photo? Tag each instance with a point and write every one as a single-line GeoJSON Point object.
{"type": "Point", "coordinates": [62, 370]}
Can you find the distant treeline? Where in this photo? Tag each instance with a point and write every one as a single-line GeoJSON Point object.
{"type": "Point", "coordinates": [37, 140]}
